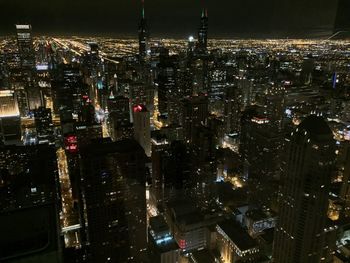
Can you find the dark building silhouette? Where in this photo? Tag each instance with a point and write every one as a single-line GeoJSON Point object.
{"type": "Point", "coordinates": [194, 114]}
{"type": "Point", "coordinates": [119, 123]}
{"type": "Point", "coordinates": [143, 34]}
{"type": "Point", "coordinates": [113, 189]}
{"type": "Point", "coordinates": [300, 233]}
{"type": "Point", "coordinates": [203, 32]}
{"type": "Point", "coordinates": [29, 205]}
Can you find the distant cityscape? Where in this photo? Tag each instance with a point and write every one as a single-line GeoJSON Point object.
{"type": "Point", "coordinates": [192, 150]}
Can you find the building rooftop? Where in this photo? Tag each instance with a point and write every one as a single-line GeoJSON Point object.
{"type": "Point", "coordinates": [258, 214]}
{"type": "Point", "coordinates": [315, 126]}
{"type": "Point", "coordinates": [98, 147]}
{"type": "Point", "coordinates": [202, 256]}
{"type": "Point", "coordinates": [237, 235]}
{"type": "Point", "coordinates": [168, 245]}
{"type": "Point", "coordinates": [158, 224]}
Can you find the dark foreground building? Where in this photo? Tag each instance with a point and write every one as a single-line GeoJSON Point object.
{"type": "Point", "coordinates": [29, 223]}
{"type": "Point", "coordinates": [300, 234]}
{"type": "Point", "coordinates": [114, 196]}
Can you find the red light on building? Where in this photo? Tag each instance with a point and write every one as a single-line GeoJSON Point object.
{"type": "Point", "coordinates": [70, 143]}
{"type": "Point", "coordinates": [139, 108]}
{"type": "Point", "coordinates": [182, 243]}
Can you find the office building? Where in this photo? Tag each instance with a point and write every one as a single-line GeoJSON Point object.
{"type": "Point", "coordinates": [10, 121]}
{"type": "Point", "coordinates": [43, 122]}
{"type": "Point", "coordinates": [142, 127]}
{"type": "Point", "coordinates": [115, 200]}
{"type": "Point", "coordinates": [162, 246]}
{"type": "Point", "coordinates": [234, 243]}
{"type": "Point", "coordinates": [194, 114]}
{"type": "Point", "coordinates": [300, 232]}
{"type": "Point", "coordinates": [25, 46]}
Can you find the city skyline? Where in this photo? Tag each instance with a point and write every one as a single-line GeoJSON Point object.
{"type": "Point", "coordinates": [164, 150]}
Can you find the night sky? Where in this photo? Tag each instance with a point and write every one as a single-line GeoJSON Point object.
{"type": "Point", "coordinates": [172, 18]}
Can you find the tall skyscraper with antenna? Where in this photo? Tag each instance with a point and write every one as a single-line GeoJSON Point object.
{"type": "Point", "coordinates": [203, 32]}
{"type": "Point", "coordinates": [143, 33]}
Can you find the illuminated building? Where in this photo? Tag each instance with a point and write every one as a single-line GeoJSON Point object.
{"type": "Point", "coordinates": [166, 81]}
{"type": "Point", "coordinates": [141, 93]}
{"type": "Point", "coordinates": [162, 246]}
{"type": "Point", "coordinates": [27, 58]}
{"type": "Point", "coordinates": [10, 122]}
{"type": "Point", "coordinates": [68, 91]}
{"type": "Point", "coordinates": [29, 205]}
{"type": "Point", "coordinates": [258, 220]}
{"type": "Point", "coordinates": [71, 143]}
{"type": "Point", "coordinates": [43, 122]}
{"type": "Point", "coordinates": [142, 128]}
{"type": "Point", "coordinates": [113, 188]}
{"type": "Point", "coordinates": [25, 46]}
{"type": "Point", "coordinates": [8, 104]}
{"type": "Point", "coordinates": [234, 243]}
{"type": "Point", "coordinates": [188, 225]}
{"type": "Point", "coordinates": [300, 234]}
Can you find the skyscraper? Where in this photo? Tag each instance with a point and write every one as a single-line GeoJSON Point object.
{"type": "Point", "coordinates": [142, 128]}
{"type": "Point", "coordinates": [143, 33]}
{"type": "Point", "coordinates": [194, 114]}
{"type": "Point", "coordinates": [27, 59]}
{"type": "Point", "coordinates": [300, 233]}
{"type": "Point", "coordinates": [119, 123]}
{"type": "Point", "coordinates": [203, 32]}
{"type": "Point", "coordinates": [113, 187]}
{"type": "Point", "coordinates": [25, 46]}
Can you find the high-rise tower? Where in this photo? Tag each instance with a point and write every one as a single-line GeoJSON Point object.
{"type": "Point", "coordinates": [203, 32]}
{"type": "Point", "coordinates": [27, 58]}
{"type": "Point", "coordinates": [113, 186]}
{"type": "Point", "coordinates": [25, 46]}
{"type": "Point", "coordinates": [143, 33]}
{"type": "Point", "coordinates": [142, 127]}
{"type": "Point", "coordinates": [300, 234]}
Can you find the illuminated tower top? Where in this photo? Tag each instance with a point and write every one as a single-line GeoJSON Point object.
{"type": "Point", "coordinates": [143, 33]}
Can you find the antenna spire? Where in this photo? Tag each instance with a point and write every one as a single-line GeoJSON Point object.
{"type": "Point", "coordinates": [143, 8]}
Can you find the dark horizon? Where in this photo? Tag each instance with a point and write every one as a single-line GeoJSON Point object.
{"type": "Point", "coordinates": [179, 19]}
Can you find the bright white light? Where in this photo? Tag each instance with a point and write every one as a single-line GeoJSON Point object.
{"type": "Point", "coordinates": [191, 38]}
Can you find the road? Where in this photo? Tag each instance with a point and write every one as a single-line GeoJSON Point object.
{"type": "Point", "coordinates": [69, 216]}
